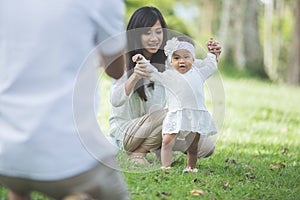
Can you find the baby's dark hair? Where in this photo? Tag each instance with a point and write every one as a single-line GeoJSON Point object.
{"type": "Point", "coordinates": [184, 38]}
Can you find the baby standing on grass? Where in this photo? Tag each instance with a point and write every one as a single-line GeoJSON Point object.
{"type": "Point", "coordinates": [187, 116]}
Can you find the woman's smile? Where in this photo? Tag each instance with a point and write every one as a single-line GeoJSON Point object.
{"type": "Point", "coordinates": [152, 39]}
{"type": "Point", "coordinates": [153, 45]}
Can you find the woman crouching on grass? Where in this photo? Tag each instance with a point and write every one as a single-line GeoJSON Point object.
{"type": "Point", "coordinates": [137, 104]}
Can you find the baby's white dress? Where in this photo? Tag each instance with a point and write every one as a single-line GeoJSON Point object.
{"type": "Point", "coordinates": [185, 99]}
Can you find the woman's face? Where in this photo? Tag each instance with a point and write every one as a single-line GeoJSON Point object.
{"type": "Point", "coordinates": [152, 39]}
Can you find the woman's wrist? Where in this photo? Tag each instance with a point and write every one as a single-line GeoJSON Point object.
{"type": "Point", "coordinates": [130, 83]}
{"type": "Point", "coordinates": [135, 77]}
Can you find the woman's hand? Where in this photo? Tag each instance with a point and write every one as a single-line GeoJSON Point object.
{"type": "Point", "coordinates": [214, 47]}
{"type": "Point", "coordinates": [139, 58]}
{"type": "Point", "coordinates": [141, 70]}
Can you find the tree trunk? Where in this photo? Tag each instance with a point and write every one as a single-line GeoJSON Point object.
{"type": "Point", "coordinates": [268, 44]}
{"type": "Point", "coordinates": [224, 28]}
{"type": "Point", "coordinates": [208, 9]}
{"type": "Point", "coordinates": [293, 70]}
{"type": "Point", "coordinates": [231, 31]}
{"type": "Point", "coordinates": [238, 28]}
{"type": "Point", "coordinates": [253, 49]}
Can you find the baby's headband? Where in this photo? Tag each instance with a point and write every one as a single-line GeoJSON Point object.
{"type": "Point", "coordinates": [174, 44]}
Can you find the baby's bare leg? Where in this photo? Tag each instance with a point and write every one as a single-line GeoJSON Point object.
{"type": "Point", "coordinates": [167, 149]}
{"type": "Point", "coordinates": [192, 140]}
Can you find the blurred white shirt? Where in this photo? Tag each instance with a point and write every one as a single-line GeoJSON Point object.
{"type": "Point", "coordinates": [42, 47]}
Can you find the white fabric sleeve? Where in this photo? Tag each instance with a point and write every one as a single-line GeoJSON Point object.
{"type": "Point", "coordinates": [156, 76]}
{"type": "Point", "coordinates": [207, 66]}
{"type": "Point", "coordinates": [117, 91]}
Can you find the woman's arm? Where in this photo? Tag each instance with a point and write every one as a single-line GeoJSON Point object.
{"type": "Point", "coordinates": [130, 83]}
{"type": "Point", "coordinates": [117, 92]}
{"type": "Point", "coordinates": [140, 71]}
{"type": "Point", "coordinates": [122, 88]}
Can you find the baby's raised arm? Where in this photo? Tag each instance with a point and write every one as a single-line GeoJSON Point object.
{"type": "Point", "coordinates": [207, 66]}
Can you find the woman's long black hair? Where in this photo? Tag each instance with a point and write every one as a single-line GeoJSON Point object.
{"type": "Point", "coordinates": [140, 22]}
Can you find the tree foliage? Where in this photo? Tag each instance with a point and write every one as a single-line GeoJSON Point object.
{"type": "Point", "coordinates": [166, 8]}
{"type": "Point", "coordinates": [256, 35]}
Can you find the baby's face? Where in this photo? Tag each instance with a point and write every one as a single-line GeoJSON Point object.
{"type": "Point", "coordinates": [182, 60]}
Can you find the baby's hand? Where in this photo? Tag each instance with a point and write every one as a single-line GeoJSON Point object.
{"type": "Point", "coordinates": [214, 47]}
{"type": "Point", "coordinates": [139, 58]}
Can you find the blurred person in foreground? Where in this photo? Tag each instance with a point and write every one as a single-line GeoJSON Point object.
{"type": "Point", "coordinates": [48, 129]}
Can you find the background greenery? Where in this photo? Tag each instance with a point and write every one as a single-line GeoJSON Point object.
{"type": "Point", "coordinates": [259, 37]}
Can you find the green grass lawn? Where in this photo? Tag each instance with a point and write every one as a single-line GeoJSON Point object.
{"type": "Point", "coordinates": [257, 154]}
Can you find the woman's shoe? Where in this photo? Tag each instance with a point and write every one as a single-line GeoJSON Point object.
{"type": "Point", "coordinates": [137, 158]}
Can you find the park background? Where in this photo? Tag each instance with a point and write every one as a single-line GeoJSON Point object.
{"type": "Point", "coordinates": [257, 153]}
